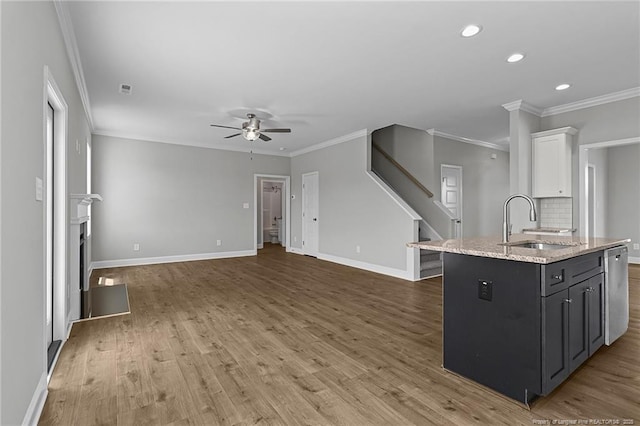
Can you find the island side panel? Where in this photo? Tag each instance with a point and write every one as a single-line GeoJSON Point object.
{"type": "Point", "coordinates": [494, 342]}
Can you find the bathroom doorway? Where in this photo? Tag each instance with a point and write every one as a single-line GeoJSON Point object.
{"type": "Point", "coordinates": [272, 211]}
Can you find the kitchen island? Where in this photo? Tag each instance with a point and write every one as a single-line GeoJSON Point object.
{"type": "Point", "coordinates": [520, 317]}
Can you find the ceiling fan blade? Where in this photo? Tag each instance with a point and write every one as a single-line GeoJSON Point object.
{"type": "Point", "coordinates": [276, 130]}
{"type": "Point", "coordinates": [264, 137]}
{"type": "Point", "coordinates": [232, 136]}
{"type": "Point", "coordinates": [225, 127]}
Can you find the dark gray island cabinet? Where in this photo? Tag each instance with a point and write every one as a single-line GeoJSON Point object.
{"type": "Point", "coordinates": [521, 328]}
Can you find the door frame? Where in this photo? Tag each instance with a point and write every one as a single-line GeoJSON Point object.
{"type": "Point", "coordinates": [459, 223]}
{"type": "Point", "coordinates": [52, 95]}
{"type": "Point", "coordinates": [583, 159]}
{"type": "Point", "coordinates": [286, 193]}
{"type": "Point", "coordinates": [304, 226]}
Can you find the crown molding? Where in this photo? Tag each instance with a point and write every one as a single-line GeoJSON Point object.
{"type": "Point", "coordinates": [73, 53]}
{"type": "Point", "coordinates": [522, 106]}
{"type": "Point", "coordinates": [234, 148]}
{"type": "Point", "coordinates": [331, 142]}
{"type": "Point", "coordinates": [591, 102]}
{"type": "Point", "coordinates": [434, 132]}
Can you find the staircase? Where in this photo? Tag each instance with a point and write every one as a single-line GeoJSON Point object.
{"type": "Point", "coordinates": [430, 264]}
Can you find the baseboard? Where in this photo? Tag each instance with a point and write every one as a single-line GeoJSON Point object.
{"type": "Point", "coordinates": [294, 250]}
{"type": "Point", "coordinates": [384, 270]}
{"type": "Point", "coordinates": [634, 260]}
{"type": "Point", "coordinates": [36, 405]}
{"type": "Point", "coordinates": [101, 264]}
{"type": "Point", "coordinates": [260, 245]}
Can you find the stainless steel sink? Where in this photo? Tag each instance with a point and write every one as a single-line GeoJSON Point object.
{"type": "Point", "coordinates": [539, 245]}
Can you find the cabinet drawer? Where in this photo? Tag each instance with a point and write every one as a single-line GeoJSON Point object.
{"type": "Point", "coordinates": [586, 266]}
{"type": "Point", "coordinates": [555, 277]}
{"type": "Point", "coordinates": [561, 275]}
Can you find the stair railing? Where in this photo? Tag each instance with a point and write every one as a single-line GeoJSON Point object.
{"type": "Point", "coordinates": [402, 169]}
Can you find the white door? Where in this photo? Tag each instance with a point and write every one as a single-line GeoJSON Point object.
{"type": "Point", "coordinates": [451, 193]}
{"type": "Point", "coordinates": [310, 224]}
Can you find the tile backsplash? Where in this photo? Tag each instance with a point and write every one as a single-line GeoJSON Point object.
{"type": "Point", "coordinates": [556, 212]}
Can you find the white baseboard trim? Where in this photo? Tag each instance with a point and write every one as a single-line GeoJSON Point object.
{"type": "Point", "coordinates": [261, 245]}
{"type": "Point", "coordinates": [295, 250]}
{"type": "Point", "coordinates": [36, 405]}
{"type": "Point", "coordinates": [101, 264]}
{"type": "Point", "coordinates": [384, 270]}
{"type": "Point", "coordinates": [634, 260]}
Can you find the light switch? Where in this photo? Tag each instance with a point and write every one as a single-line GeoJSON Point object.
{"type": "Point", "coordinates": [38, 189]}
{"type": "Point", "coordinates": [245, 205]}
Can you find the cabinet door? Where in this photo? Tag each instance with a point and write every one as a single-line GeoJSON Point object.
{"type": "Point", "coordinates": [596, 313]}
{"type": "Point", "coordinates": [556, 340]}
{"type": "Point", "coordinates": [551, 161]}
{"type": "Point", "coordinates": [578, 324]}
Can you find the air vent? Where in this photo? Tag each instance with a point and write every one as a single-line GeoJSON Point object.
{"type": "Point", "coordinates": [125, 89]}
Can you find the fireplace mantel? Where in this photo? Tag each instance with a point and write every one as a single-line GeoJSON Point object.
{"type": "Point", "coordinates": [81, 202]}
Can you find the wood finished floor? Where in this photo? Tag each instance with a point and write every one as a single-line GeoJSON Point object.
{"type": "Point", "coordinates": [287, 339]}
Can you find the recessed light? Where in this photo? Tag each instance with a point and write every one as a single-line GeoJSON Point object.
{"type": "Point", "coordinates": [470, 30]}
{"type": "Point", "coordinates": [282, 148]}
{"type": "Point", "coordinates": [516, 57]}
{"type": "Point", "coordinates": [563, 86]}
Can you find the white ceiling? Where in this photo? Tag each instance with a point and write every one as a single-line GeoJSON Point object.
{"type": "Point", "coordinates": [327, 69]}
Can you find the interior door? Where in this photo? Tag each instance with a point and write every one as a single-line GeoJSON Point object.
{"type": "Point", "coordinates": [451, 193]}
{"type": "Point", "coordinates": [310, 217]}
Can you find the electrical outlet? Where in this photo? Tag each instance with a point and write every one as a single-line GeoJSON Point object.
{"type": "Point", "coordinates": [245, 205]}
{"type": "Point", "coordinates": [357, 249]}
{"type": "Point", "coordinates": [219, 242]}
{"type": "Point", "coordinates": [136, 247]}
{"type": "Point", "coordinates": [485, 290]}
{"type": "Point", "coordinates": [636, 246]}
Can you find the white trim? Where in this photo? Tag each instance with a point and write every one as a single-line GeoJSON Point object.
{"type": "Point", "coordinates": [434, 132]}
{"type": "Point", "coordinates": [391, 193]}
{"type": "Point", "coordinates": [607, 144]}
{"type": "Point", "coordinates": [101, 264]}
{"type": "Point", "coordinates": [384, 270]}
{"type": "Point", "coordinates": [431, 232]}
{"type": "Point", "coordinates": [458, 220]}
{"type": "Point", "coordinates": [591, 102]}
{"type": "Point", "coordinates": [73, 53]}
{"type": "Point", "coordinates": [552, 132]}
{"type": "Point", "coordinates": [523, 106]}
{"type": "Point", "coordinates": [295, 250]}
{"type": "Point", "coordinates": [38, 399]}
{"type": "Point", "coordinates": [331, 142]}
{"type": "Point", "coordinates": [1, 233]}
{"type": "Point", "coordinates": [261, 245]}
{"type": "Point", "coordinates": [446, 211]}
{"type": "Point", "coordinates": [634, 260]}
{"type": "Point", "coordinates": [234, 148]}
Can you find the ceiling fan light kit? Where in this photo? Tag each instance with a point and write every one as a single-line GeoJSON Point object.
{"type": "Point", "coordinates": [251, 129]}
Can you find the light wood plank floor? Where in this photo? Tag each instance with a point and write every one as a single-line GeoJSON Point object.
{"type": "Point", "coordinates": [287, 339]}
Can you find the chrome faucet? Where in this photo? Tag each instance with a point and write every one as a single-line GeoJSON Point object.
{"type": "Point", "coordinates": [506, 226]}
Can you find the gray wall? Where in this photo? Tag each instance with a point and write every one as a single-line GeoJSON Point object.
{"type": "Point", "coordinates": [485, 183]}
{"type": "Point", "coordinates": [607, 122]}
{"type": "Point", "coordinates": [354, 210]}
{"type": "Point", "coordinates": [31, 39]}
{"type": "Point", "coordinates": [173, 200]}
{"type": "Point", "coordinates": [623, 195]}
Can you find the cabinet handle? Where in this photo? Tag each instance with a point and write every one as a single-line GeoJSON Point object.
{"type": "Point", "coordinates": [556, 277]}
{"type": "Point", "coordinates": [589, 289]}
{"type": "Point", "coordinates": [568, 300]}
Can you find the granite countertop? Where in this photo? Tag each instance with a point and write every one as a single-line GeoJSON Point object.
{"type": "Point", "coordinates": [491, 247]}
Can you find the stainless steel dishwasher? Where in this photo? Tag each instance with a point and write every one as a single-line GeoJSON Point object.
{"type": "Point", "coordinates": [616, 296]}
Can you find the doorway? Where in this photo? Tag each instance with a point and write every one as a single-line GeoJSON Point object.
{"type": "Point", "coordinates": [451, 193]}
{"type": "Point", "coordinates": [310, 214]}
{"type": "Point", "coordinates": [56, 228]}
{"type": "Point", "coordinates": [272, 211]}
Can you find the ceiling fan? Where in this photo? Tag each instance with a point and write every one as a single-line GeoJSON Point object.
{"type": "Point", "coordinates": [251, 129]}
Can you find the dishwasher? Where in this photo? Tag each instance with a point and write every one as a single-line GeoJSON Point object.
{"type": "Point", "coordinates": [616, 295]}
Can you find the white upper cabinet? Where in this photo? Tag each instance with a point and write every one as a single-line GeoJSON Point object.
{"type": "Point", "coordinates": [551, 162]}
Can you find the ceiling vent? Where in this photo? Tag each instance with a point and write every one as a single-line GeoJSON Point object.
{"type": "Point", "coordinates": [125, 89]}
